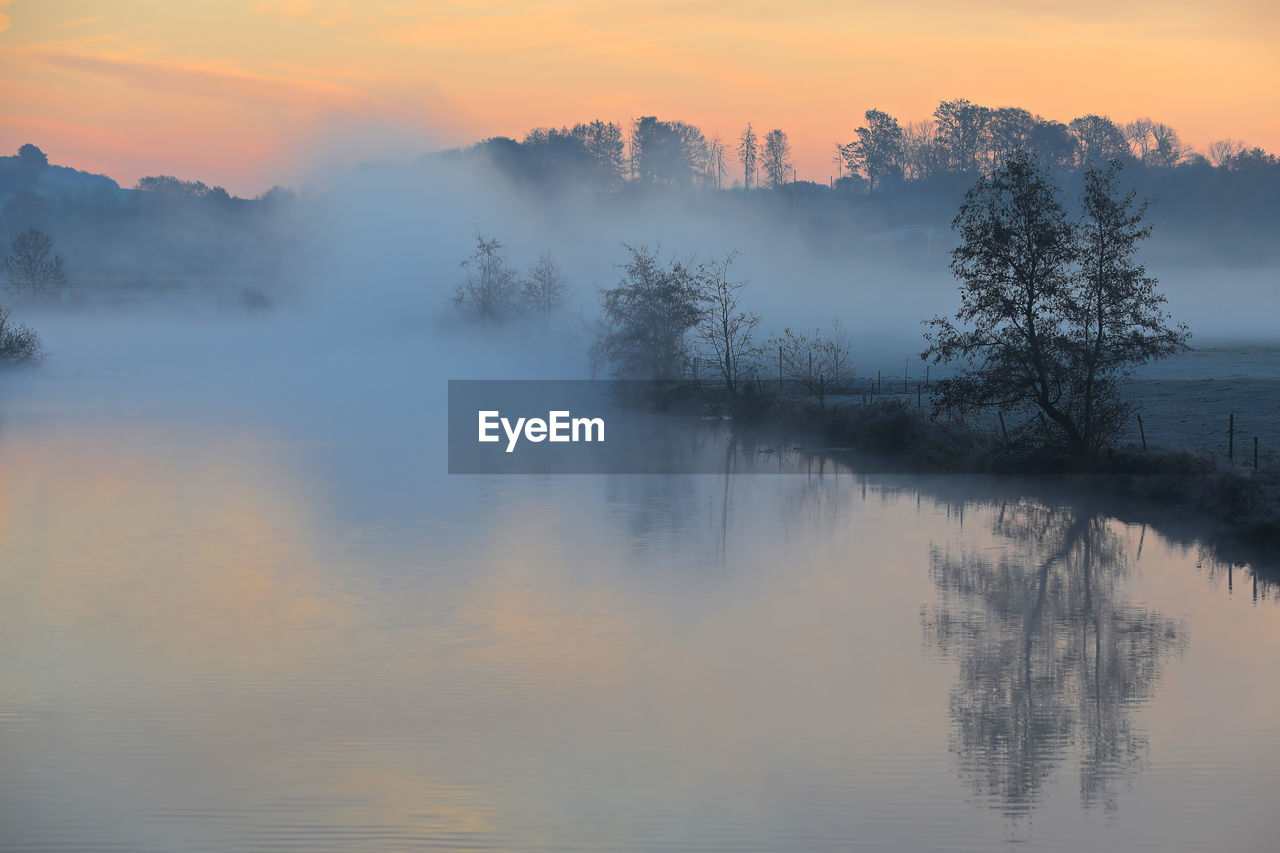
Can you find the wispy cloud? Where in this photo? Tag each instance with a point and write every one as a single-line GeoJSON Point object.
{"type": "Point", "coordinates": [200, 78]}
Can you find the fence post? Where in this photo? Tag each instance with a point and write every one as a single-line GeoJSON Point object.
{"type": "Point", "coordinates": [926, 376]}
{"type": "Point", "coordinates": [877, 381]}
{"type": "Point", "coordinates": [779, 368]}
{"type": "Point", "coordinates": [919, 396]}
{"type": "Point", "coordinates": [1003, 431]}
{"type": "Point", "coordinates": [906, 370]}
{"type": "Point", "coordinates": [1231, 438]}
{"type": "Point", "coordinates": [1255, 453]}
{"type": "Point", "coordinates": [1142, 432]}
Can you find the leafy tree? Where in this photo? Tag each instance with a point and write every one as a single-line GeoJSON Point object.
{"type": "Point", "coordinates": [647, 319]}
{"type": "Point", "coordinates": [1252, 160]}
{"type": "Point", "coordinates": [19, 344]}
{"type": "Point", "coordinates": [777, 158]}
{"type": "Point", "coordinates": [491, 289]}
{"type": "Point", "coordinates": [1114, 313]}
{"type": "Point", "coordinates": [545, 286]}
{"type": "Point", "coordinates": [29, 267]}
{"type": "Point", "coordinates": [1098, 141]}
{"type": "Point", "coordinates": [32, 157]}
{"type": "Point", "coordinates": [1051, 314]}
{"type": "Point", "coordinates": [960, 127]}
{"type": "Point", "coordinates": [666, 152]}
{"type": "Point", "coordinates": [747, 154]}
{"type": "Point", "coordinates": [725, 331]}
{"type": "Point", "coordinates": [877, 151]}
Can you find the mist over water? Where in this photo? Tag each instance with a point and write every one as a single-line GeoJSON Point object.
{"type": "Point", "coordinates": [245, 606]}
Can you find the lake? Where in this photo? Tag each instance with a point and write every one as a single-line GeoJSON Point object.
{"type": "Point", "coordinates": [244, 608]}
{"type": "Point", "coordinates": [225, 639]}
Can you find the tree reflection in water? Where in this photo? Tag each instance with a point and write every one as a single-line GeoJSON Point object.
{"type": "Point", "coordinates": [1051, 655]}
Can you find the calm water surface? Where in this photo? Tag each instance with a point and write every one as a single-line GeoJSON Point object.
{"type": "Point", "coordinates": [222, 639]}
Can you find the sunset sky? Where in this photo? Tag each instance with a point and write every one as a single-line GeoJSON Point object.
{"type": "Point", "coordinates": [249, 93]}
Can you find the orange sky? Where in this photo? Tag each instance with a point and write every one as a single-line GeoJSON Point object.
{"type": "Point", "coordinates": [247, 93]}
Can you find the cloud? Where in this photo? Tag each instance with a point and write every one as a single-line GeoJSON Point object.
{"type": "Point", "coordinates": [202, 79]}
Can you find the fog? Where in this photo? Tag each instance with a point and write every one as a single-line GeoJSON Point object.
{"type": "Point", "coordinates": [357, 331]}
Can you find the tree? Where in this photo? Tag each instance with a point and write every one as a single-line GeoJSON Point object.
{"type": "Point", "coordinates": [961, 126]}
{"type": "Point", "coordinates": [603, 144]}
{"type": "Point", "coordinates": [818, 364]}
{"type": "Point", "coordinates": [747, 153]}
{"type": "Point", "coordinates": [666, 152]}
{"type": "Point", "coordinates": [1252, 160]}
{"type": "Point", "coordinates": [32, 157]}
{"type": "Point", "coordinates": [1114, 314]}
{"type": "Point", "coordinates": [715, 162]}
{"type": "Point", "coordinates": [491, 289]}
{"type": "Point", "coordinates": [1223, 151]}
{"type": "Point", "coordinates": [29, 267]}
{"type": "Point", "coordinates": [647, 319]}
{"type": "Point", "coordinates": [1051, 314]}
{"type": "Point", "coordinates": [19, 344]}
{"type": "Point", "coordinates": [921, 156]}
{"type": "Point", "coordinates": [777, 158]}
{"type": "Point", "coordinates": [545, 286]}
{"type": "Point", "coordinates": [877, 151]}
{"type": "Point", "coordinates": [725, 331]}
{"type": "Point", "coordinates": [1098, 140]}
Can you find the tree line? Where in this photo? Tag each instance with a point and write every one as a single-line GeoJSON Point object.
{"type": "Point", "coordinates": [961, 138]}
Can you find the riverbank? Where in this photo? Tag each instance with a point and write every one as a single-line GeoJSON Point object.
{"type": "Point", "coordinates": [1238, 508]}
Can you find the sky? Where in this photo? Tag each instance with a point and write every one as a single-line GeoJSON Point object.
{"type": "Point", "coordinates": [250, 93]}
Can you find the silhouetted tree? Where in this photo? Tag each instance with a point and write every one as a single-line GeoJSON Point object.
{"type": "Point", "coordinates": [491, 289]}
{"type": "Point", "coordinates": [1252, 160]}
{"type": "Point", "coordinates": [32, 157]}
{"type": "Point", "coordinates": [1114, 312]}
{"type": "Point", "coordinates": [715, 162]}
{"type": "Point", "coordinates": [877, 151]}
{"type": "Point", "coordinates": [725, 331]}
{"type": "Point", "coordinates": [1023, 331]}
{"type": "Point", "coordinates": [960, 127]}
{"type": "Point", "coordinates": [1098, 141]}
{"type": "Point", "coordinates": [647, 319]}
{"type": "Point", "coordinates": [1223, 151]}
{"type": "Point", "coordinates": [19, 344]}
{"type": "Point", "coordinates": [777, 158]}
{"type": "Point", "coordinates": [545, 286]}
{"type": "Point", "coordinates": [666, 152]}
{"type": "Point", "coordinates": [29, 267]}
{"type": "Point", "coordinates": [747, 155]}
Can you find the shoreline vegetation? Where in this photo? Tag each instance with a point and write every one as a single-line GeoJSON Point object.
{"type": "Point", "coordinates": [1234, 510]}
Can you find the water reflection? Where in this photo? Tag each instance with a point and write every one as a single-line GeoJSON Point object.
{"type": "Point", "coordinates": [1051, 654]}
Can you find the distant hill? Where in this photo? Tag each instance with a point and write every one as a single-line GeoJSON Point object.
{"type": "Point", "coordinates": [30, 170]}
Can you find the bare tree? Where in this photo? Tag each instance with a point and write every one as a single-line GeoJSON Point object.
{"type": "Point", "coordinates": [491, 289]}
{"type": "Point", "coordinates": [1138, 132]}
{"type": "Point", "coordinates": [1223, 151]}
{"type": "Point", "coordinates": [725, 331]}
{"type": "Point", "coordinates": [820, 365]}
{"type": "Point", "coordinates": [29, 267]}
{"type": "Point", "coordinates": [747, 155]}
{"type": "Point", "coordinates": [715, 161]}
{"type": "Point", "coordinates": [545, 286]}
{"type": "Point", "coordinates": [777, 157]}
